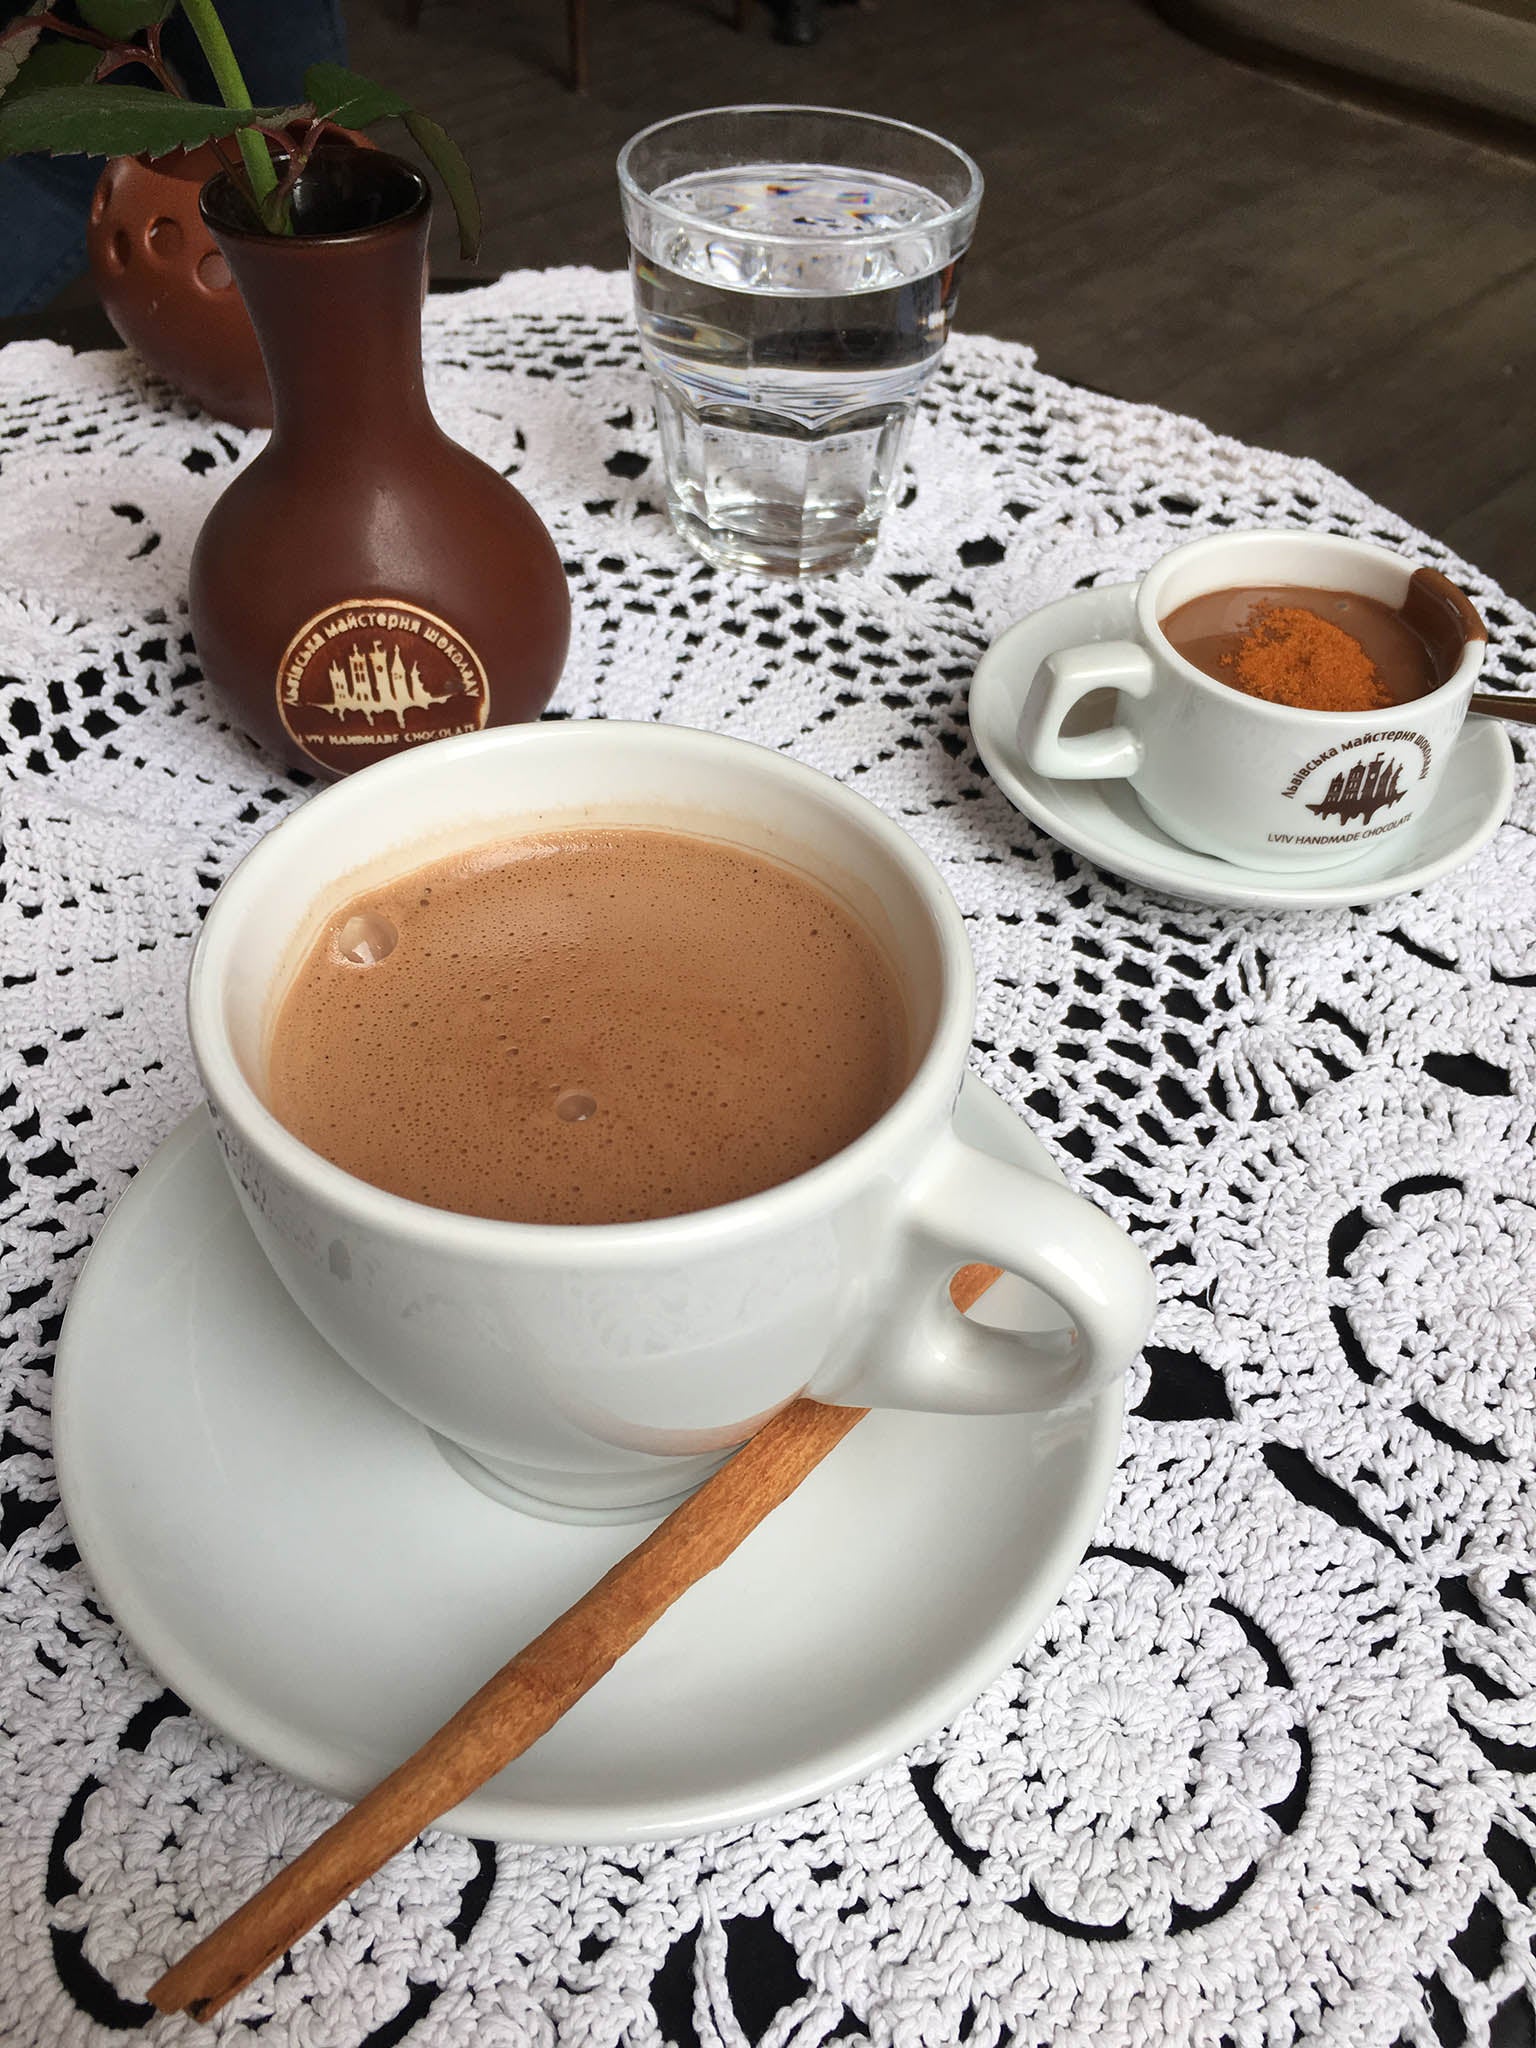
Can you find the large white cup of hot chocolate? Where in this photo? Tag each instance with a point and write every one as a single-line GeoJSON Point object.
{"type": "Point", "coordinates": [599, 1370]}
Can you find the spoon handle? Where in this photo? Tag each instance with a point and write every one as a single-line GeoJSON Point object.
{"type": "Point", "coordinates": [1521, 709]}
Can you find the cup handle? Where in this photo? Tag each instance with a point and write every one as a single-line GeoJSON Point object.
{"type": "Point", "coordinates": [1061, 680]}
{"type": "Point", "coordinates": [966, 1205]}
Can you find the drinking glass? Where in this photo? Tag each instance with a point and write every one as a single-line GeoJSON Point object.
{"type": "Point", "coordinates": [795, 271]}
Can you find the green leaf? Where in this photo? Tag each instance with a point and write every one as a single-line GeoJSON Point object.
{"type": "Point", "coordinates": [447, 159]}
{"type": "Point", "coordinates": [123, 19]}
{"type": "Point", "coordinates": [351, 102]}
{"type": "Point", "coordinates": [54, 63]}
{"type": "Point", "coordinates": [121, 120]}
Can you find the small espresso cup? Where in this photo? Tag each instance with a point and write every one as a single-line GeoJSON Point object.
{"type": "Point", "coordinates": [595, 1372]}
{"type": "Point", "coordinates": [1260, 784]}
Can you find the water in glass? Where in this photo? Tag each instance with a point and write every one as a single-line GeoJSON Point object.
{"type": "Point", "coordinates": [790, 315]}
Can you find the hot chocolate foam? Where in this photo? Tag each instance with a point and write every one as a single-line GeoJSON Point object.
{"type": "Point", "coordinates": [587, 1027]}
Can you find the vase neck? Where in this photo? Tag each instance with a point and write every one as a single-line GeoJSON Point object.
{"type": "Point", "coordinates": [339, 322]}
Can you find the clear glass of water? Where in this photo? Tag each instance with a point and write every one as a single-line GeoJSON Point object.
{"type": "Point", "coordinates": [795, 271]}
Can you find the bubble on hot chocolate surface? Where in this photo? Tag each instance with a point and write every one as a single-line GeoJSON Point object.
{"type": "Point", "coordinates": [366, 939]}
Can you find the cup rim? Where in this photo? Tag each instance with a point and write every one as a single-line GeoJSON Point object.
{"type": "Point", "coordinates": [630, 186]}
{"type": "Point", "coordinates": [1460, 679]}
{"type": "Point", "coordinates": [234, 1098]}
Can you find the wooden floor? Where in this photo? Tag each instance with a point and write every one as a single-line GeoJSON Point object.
{"type": "Point", "coordinates": [1160, 221]}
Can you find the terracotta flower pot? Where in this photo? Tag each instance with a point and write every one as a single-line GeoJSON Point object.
{"type": "Point", "coordinates": [167, 289]}
{"type": "Point", "coordinates": [365, 584]}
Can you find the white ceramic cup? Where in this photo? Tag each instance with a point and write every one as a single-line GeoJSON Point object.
{"type": "Point", "coordinates": [1263, 785]}
{"type": "Point", "coordinates": [595, 1371]}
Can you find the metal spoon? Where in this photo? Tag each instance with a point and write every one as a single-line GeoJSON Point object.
{"type": "Point", "coordinates": [1521, 709]}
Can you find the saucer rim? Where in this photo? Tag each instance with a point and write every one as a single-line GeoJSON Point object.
{"type": "Point", "coordinates": [312, 1757]}
{"type": "Point", "coordinates": [1141, 854]}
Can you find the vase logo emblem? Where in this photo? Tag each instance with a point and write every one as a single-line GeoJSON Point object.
{"type": "Point", "coordinates": [371, 675]}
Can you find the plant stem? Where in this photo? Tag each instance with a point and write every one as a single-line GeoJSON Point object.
{"type": "Point", "coordinates": [129, 54]}
{"type": "Point", "coordinates": [164, 70]}
{"type": "Point", "coordinates": [60, 28]}
{"type": "Point", "coordinates": [209, 30]}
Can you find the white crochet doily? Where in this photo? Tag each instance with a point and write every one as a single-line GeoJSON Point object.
{"type": "Point", "coordinates": [1266, 1774]}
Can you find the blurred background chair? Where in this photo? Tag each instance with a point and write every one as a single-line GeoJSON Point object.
{"type": "Point", "coordinates": [578, 34]}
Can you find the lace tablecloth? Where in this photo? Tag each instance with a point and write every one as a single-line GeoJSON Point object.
{"type": "Point", "coordinates": [1266, 1775]}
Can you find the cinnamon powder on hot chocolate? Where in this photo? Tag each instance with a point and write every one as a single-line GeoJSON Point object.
{"type": "Point", "coordinates": [1291, 656]}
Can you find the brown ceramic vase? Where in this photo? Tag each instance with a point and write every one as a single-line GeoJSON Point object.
{"type": "Point", "coordinates": [166, 288]}
{"type": "Point", "coordinates": [366, 584]}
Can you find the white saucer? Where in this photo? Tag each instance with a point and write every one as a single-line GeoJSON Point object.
{"type": "Point", "coordinates": [1103, 820]}
{"type": "Point", "coordinates": [299, 1563]}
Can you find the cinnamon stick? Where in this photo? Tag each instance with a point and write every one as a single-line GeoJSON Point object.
{"type": "Point", "coordinates": [523, 1701]}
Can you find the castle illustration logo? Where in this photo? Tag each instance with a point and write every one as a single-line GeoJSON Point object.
{"type": "Point", "coordinates": [376, 685]}
{"type": "Point", "coordinates": [366, 677]}
{"type": "Point", "coordinates": [1361, 790]}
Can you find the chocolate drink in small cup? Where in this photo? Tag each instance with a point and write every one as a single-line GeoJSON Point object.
{"type": "Point", "coordinates": [1249, 722]}
{"type": "Point", "coordinates": [593, 1026]}
{"type": "Point", "coordinates": [1326, 650]}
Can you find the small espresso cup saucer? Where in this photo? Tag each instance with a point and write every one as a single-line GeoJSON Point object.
{"type": "Point", "coordinates": [295, 1558]}
{"type": "Point", "coordinates": [1104, 822]}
